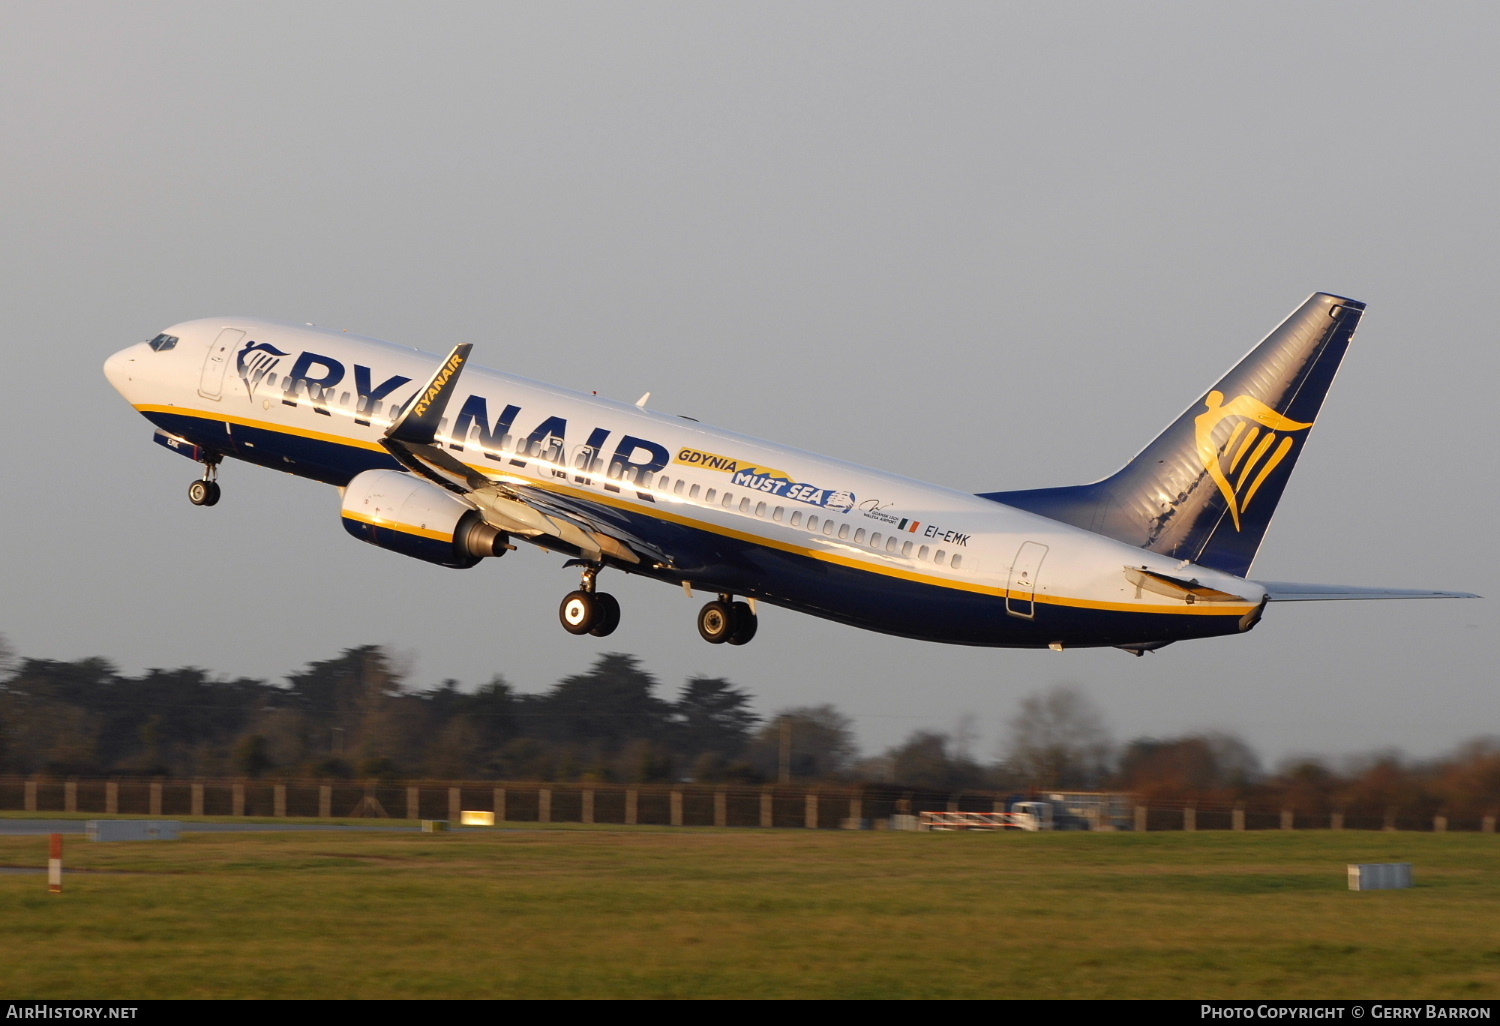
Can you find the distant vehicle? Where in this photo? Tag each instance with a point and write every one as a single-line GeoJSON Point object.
{"type": "Point", "coordinates": [1051, 814]}
{"type": "Point", "coordinates": [1156, 553]}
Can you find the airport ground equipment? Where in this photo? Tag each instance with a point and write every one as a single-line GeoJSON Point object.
{"type": "Point", "coordinates": [1379, 876]}
{"type": "Point", "coordinates": [134, 830]}
{"type": "Point", "coordinates": [978, 821]}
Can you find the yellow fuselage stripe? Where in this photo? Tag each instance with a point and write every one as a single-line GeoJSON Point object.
{"type": "Point", "coordinates": [1198, 609]}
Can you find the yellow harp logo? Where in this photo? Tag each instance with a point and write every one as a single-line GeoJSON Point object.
{"type": "Point", "coordinates": [1241, 464]}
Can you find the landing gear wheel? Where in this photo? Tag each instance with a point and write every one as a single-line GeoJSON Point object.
{"type": "Point", "coordinates": [743, 623]}
{"type": "Point", "coordinates": [579, 612]}
{"type": "Point", "coordinates": [608, 615]}
{"type": "Point", "coordinates": [203, 493]}
{"type": "Point", "coordinates": [716, 622]}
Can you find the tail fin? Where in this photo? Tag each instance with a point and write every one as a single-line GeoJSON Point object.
{"type": "Point", "coordinates": [1206, 488]}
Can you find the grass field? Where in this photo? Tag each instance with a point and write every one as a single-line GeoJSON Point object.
{"type": "Point", "coordinates": [657, 912]}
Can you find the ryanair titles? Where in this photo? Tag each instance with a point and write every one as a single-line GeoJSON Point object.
{"type": "Point", "coordinates": [552, 446]}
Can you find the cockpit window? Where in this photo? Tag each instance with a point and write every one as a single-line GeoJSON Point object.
{"type": "Point", "coordinates": [162, 343]}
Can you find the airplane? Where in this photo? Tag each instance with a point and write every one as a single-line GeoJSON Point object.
{"type": "Point", "coordinates": [453, 464]}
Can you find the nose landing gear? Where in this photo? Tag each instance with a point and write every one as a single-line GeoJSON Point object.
{"type": "Point", "coordinates": [725, 620]}
{"type": "Point", "coordinates": [587, 611]}
{"type": "Point", "coordinates": [205, 492]}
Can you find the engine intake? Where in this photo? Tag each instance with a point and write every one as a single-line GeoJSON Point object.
{"type": "Point", "coordinates": [406, 514]}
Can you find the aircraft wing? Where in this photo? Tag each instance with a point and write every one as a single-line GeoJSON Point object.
{"type": "Point", "coordinates": [1286, 591]}
{"type": "Point", "coordinates": [527, 510]}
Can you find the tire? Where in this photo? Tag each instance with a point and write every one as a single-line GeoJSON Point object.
{"type": "Point", "coordinates": [743, 623]}
{"type": "Point", "coordinates": [203, 493]}
{"type": "Point", "coordinates": [609, 615]}
{"type": "Point", "coordinates": [715, 622]}
{"type": "Point", "coordinates": [578, 612]}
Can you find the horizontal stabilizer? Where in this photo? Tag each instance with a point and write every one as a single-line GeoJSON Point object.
{"type": "Point", "coordinates": [1286, 591]}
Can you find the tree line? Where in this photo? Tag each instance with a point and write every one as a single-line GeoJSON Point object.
{"type": "Point", "coordinates": [356, 715]}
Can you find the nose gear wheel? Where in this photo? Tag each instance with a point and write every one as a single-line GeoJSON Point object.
{"type": "Point", "coordinates": [205, 491]}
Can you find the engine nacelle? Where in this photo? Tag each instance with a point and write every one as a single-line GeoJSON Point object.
{"type": "Point", "coordinates": [406, 514]}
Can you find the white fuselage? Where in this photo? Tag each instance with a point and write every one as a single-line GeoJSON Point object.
{"type": "Point", "coordinates": [730, 509]}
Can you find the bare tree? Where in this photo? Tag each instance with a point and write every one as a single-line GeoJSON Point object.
{"type": "Point", "coordinates": [1058, 740]}
{"type": "Point", "coordinates": [808, 742]}
{"type": "Point", "coordinates": [930, 759]}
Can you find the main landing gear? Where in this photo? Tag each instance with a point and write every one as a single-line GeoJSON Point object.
{"type": "Point", "coordinates": [587, 611]}
{"type": "Point", "coordinates": [205, 492]}
{"type": "Point", "coordinates": [725, 620]}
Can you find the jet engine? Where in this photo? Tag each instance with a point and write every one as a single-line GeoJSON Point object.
{"type": "Point", "coordinates": [406, 514]}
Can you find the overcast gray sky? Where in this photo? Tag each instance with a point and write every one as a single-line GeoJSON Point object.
{"type": "Point", "coordinates": [990, 245]}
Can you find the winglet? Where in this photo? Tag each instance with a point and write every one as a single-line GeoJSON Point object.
{"type": "Point", "coordinates": [419, 422]}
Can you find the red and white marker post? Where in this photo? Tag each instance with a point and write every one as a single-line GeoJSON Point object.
{"type": "Point", "coordinates": [54, 866]}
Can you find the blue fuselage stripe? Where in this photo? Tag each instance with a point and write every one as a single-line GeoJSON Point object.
{"type": "Point", "coordinates": [716, 562]}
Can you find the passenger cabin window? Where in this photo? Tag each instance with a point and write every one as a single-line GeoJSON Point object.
{"type": "Point", "coordinates": [712, 494]}
{"type": "Point", "coordinates": [776, 516]}
{"type": "Point", "coordinates": [663, 482]}
{"type": "Point", "coordinates": [693, 492]}
{"type": "Point", "coordinates": [745, 504]}
{"type": "Point", "coordinates": [890, 543]}
{"type": "Point", "coordinates": [906, 549]}
{"type": "Point", "coordinates": [957, 559]}
{"type": "Point", "coordinates": [344, 399]}
{"type": "Point", "coordinates": [828, 528]}
{"type": "Point", "coordinates": [162, 343]}
{"type": "Point", "coordinates": [677, 488]}
{"type": "Point", "coordinates": [812, 523]}
{"type": "Point", "coordinates": [843, 531]}
{"type": "Point", "coordinates": [859, 536]}
{"type": "Point", "coordinates": [760, 509]}
{"type": "Point", "coordinates": [922, 552]}
{"type": "Point", "coordinates": [728, 500]}
{"type": "Point", "coordinates": [796, 518]}
{"type": "Point", "coordinates": [875, 540]}
{"type": "Point", "coordinates": [941, 556]}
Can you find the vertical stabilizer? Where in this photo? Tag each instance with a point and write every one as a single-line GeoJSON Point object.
{"type": "Point", "coordinates": [1206, 488]}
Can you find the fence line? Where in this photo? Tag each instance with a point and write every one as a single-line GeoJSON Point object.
{"type": "Point", "coordinates": [811, 806]}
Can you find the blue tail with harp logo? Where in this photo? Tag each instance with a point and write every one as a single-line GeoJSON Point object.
{"type": "Point", "coordinates": [1206, 488]}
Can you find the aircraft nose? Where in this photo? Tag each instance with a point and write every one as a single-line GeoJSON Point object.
{"type": "Point", "coordinates": [119, 368]}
